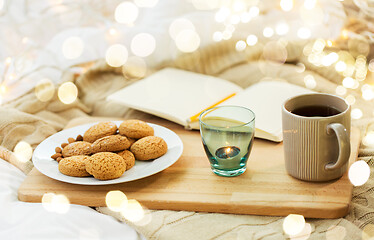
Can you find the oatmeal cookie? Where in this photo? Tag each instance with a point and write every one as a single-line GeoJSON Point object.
{"type": "Point", "coordinates": [74, 166]}
{"type": "Point", "coordinates": [106, 165]}
{"type": "Point", "coordinates": [99, 130]}
{"type": "Point", "coordinates": [76, 148]}
{"type": "Point", "coordinates": [148, 148]}
{"type": "Point", "coordinates": [129, 158]}
{"type": "Point", "coordinates": [111, 143]}
{"type": "Point", "coordinates": [133, 128]}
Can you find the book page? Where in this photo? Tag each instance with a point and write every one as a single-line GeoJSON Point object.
{"type": "Point", "coordinates": [265, 99]}
{"type": "Point", "coordinates": [174, 94]}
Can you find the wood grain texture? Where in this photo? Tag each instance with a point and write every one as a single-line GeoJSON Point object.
{"type": "Point", "coordinates": [264, 189]}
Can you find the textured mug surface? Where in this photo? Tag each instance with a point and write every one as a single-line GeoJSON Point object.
{"type": "Point", "coordinates": [316, 148]}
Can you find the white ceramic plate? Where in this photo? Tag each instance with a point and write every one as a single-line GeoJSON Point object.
{"type": "Point", "coordinates": [45, 164]}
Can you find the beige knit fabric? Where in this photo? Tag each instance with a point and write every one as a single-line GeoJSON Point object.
{"type": "Point", "coordinates": [30, 120]}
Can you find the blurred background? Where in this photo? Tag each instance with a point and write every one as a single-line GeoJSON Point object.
{"type": "Point", "coordinates": [40, 40]}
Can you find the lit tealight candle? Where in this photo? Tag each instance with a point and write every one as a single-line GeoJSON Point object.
{"type": "Point", "coordinates": [228, 157]}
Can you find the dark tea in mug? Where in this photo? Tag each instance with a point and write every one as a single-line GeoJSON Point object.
{"type": "Point", "coordinates": [316, 111]}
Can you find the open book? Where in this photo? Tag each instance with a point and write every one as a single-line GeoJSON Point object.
{"type": "Point", "coordinates": [180, 96]}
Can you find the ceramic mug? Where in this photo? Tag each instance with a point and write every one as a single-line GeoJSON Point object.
{"type": "Point", "coordinates": [316, 136]}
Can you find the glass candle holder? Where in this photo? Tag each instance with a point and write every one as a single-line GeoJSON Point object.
{"type": "Point", "coordinates": [227, 133]}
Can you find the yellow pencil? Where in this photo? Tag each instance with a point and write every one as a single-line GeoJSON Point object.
{"type": "Point", "coordinates": [196, 116]}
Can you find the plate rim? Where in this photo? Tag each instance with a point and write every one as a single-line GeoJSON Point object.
{"type": "Point", "coordinates": [36, 159]}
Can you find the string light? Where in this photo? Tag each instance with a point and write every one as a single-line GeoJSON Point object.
{"type": "Point", "coordinates": [340, 90]}
{"type": "Point", "coordinates": [217, 36]}
{"type": "Point", "coordinates": [304, 33]}
{"type": "Point", "coordinates": [126, 13]}
{"type": "Point", "coordinates": [254, 12]}
{"type": "Point", "coordinates": [310, 82]}
{"type": "Point", "coordinates": [67, 92]}
{"type": "Point", "coordinates": [368, 140]}
{"type": "Point", "coordinates": [134, 211]}
{"type": "Point", "coordinates": [286, 5]}
{"type": "Point", "coordinates": [282, 28]}
{"type": "Point", "coordinates": [359, 173]}
{"type": "Point", "coordinates": [251, 40]}
{"type": "Point", "coordinates": [44, 90]}
{"type": "Point", "coordinates": [187, 41]}
{"type": "Point", "coordinates": [179, 25]}
{"type": "Point", "coordinates": [23, 151]}
{"type": "Point", "coordinates": [293, 224]}
{"type": "Point", "coordinates": [240, 46]}
{"type": "Point", "coordinates": [55, 203]}
{"type": "Point", "coordinates": [356, 113]}
{"type": "Point", "coordinates": [116, 200]}
{"type": "Point", "coordinates": [350, 99]}
{"type": "Point", "coordinates": [72, 47]}
{"type": "Point", "coordinates": [116, 55]}
{"type": "Point", "coordinates": [340, 66]}
{"type": "Point", "coordinates": [268, 32]}
{"type": "Point", "coordinates": [143, 44]}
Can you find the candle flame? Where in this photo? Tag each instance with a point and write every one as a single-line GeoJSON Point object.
{"type": "Point", "coordinates": [228, 150]}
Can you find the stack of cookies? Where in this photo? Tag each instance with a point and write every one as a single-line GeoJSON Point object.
{"type": "Point", "coordinates": [106, 151]}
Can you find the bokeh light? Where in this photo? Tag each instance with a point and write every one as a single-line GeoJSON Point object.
{"type": "Point", "coordinates": [368, 232]}
{"type": "Point", "coordinates": [309, 4]}
{"type": "Point", "coordinates": [286, 5]}
{"type": "Point", "coordinates": [254, 12]}
{"type": "Point", "coordinates": [116, 200]}
{"type": "Point", "coordinates": [2, 3]}
{"type": "Point", "coordinates": [134, 212]}
{"type": "Point", "coordinates": [300, 67]}
{"type": "Point", "coordinates": [135, 67]}
{"type": "Point", "coordinates": [143, 44]}
{"type": "Point", "coordinates": [310, 82]}
{"type": "Point", "coordinates": [116, 55]}
{"type": "Point", "coordinates": [275, 52]}
{"type": "Point", "coordinates": [187, 41]}
{"type": "Point", "coordinates": [330, 59]}
{"type": "Point", "coordinates": [371, 65]}
{"type": "Point", "coordinates": [368, 94]}
{"type": "Point", "coordinates": [340, 66]}
{"type": "Point", "coordinates": [67, 92]}
{"type": "Point", "coordinates": [348, 82]}
{"type": "Point", "coordinates": [222, 14]}
{"type": "Point", "coordinates": [217, 36]}
{"type": "Point", "coordinates": [47, 201]}
{"type": "Point", "coordinates": [146, 3]}
{"type": "Point", "coordinates": [126, 13]}
{"type": "Point", "coordinates": [58, 203]}
{"type": "Point", "coordinates": [251, 40]}
{"type": "Point", "coordinates": [178, 25]}
{"type": "Point", "coordinates": [282, 28]}
{"type": "Point", "coordinates": [368, 140]}
{"type": "Point", "coordinates": [23, 151]}
{"type": "Point", "coordinates": [44, 90]}
{"type": "Point", "coordinates": [240, 46]}
{"type": "Point", "coordinates": [340, 90]}
{"type": "Point", "coordinates": [359, 173]}
{"type": "Point", "coordinates": [304, 234]}
{"type": "Point", "coordinates": [293, 224]}
{"type": "Point", "coordinates": [350, 99]}
{"type": "Point", "coordinates": [356, 113]}
{"type": "Point", "coordinates": [304, 33]}
{"type": "Point", "coordinates": [268, 32]}
{"type": "Point", "coordinates": [336, 233]}
{"type": "Point", "coordinates": [72, 47]}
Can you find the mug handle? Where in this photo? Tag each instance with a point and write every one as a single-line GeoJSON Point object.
{"type": "Point", "coordinates": [344, 145]}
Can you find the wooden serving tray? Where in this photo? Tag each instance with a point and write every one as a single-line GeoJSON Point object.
{"type": "Point", "coordinates": [264, 189]}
